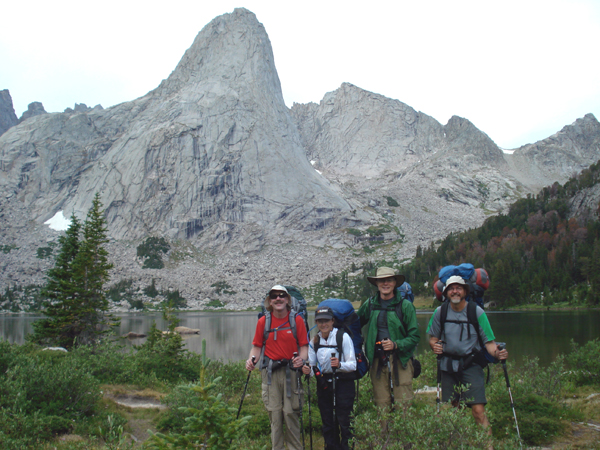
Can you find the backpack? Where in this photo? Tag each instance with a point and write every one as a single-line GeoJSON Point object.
{"type": "Point", "coordinates": [349, 323]}
{"type": "Point", "coordinates": [298, 307]}
{"type": "Point", "coordinates": [477, 279]}
{"type": "Point", "coordinates": [406, 292]}
{"type": "Point", "coordinates": [483, 358]}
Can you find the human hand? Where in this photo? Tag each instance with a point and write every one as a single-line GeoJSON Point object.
{"type": "Point", "coordinates": [297, 362]}
{"type": "Point", "coordinates": [335, 362]}
{"type": "Point", "coordinates": [438, 347]}
{"type": "Point", "coordinates": [251, 363]}
{"type": "Point", "coordinates": [501, 352]}
{"type": "Point", "coordinates": [388, 345]}
{"type": "Point", "coordinates": [306, 369]}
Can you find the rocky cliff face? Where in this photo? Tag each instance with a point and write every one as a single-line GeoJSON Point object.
{"type": "Point", "coordinates": [559, 156]}
{"type": "Point", "coordinates": [212, 150]}
{"type": "Point", "coordinates": [8, 118]}
{"type": "Point", "coordinates": [214, 161]}
{"type": "Point", "coordinates": [445, 177]}
{"type": "Point", "coordinates": [33, 109]}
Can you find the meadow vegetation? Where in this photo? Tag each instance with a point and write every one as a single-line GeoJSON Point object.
{"type": "Point", "coordinates": [58, 400]}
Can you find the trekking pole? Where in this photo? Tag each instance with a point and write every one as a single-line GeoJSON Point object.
{"type": "Point", "coordinates": [300, 396]}
{"type": "Point", "coordinates": [439, 378]}
{"type": "Point", "coordinates": [389, 366]}
{"type": "Point", "coordinates": [357, 392]}
{"type": "Point", "coordinates": [245, 387]}
{"type": "Point", "coordinates": [309, 416]}
{"type": "Point", "coordinates": [335, 422]}
{"type": "Point", "coordinates": [501, 346]}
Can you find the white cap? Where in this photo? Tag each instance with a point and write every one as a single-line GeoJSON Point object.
{"type": "Point", "coordinates": [455, 279]}
{"type": "Point", "coordinates": [279, 287]}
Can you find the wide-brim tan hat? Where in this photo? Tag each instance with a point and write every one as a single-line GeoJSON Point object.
{"type": "Point", "coordinates": [455, 279]}
{"type": "Point", "coordinates": [386, 272]}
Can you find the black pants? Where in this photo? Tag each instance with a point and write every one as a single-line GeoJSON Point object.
{"type": "Point", "coordinates": [344, 399]}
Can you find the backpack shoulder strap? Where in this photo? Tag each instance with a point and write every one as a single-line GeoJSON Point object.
{"type": "Point", "coordinates": [371, 305]}
{"type": "Point", "coordinates": [399, 312]}
{"type": "Point", "coordinates": [261, 357]}
{"type": "Point", "coordinates": [473, 320]}
{"type": "Point", "coordinates": [316, 343]}
{"type": "Point", "coordinates": [443, 316]}
{"type": "Point", "coordinates": [292, 319]}
{"type": "Point", "coordinates": [339, 337]}
{"type": "Point", "coordinates": [267, 327]}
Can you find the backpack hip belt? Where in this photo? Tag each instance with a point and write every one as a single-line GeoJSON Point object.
{"type": "Point", "coordinates": [273, 365]}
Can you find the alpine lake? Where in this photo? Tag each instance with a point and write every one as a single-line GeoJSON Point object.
{"type": "Point", "coordinates": [228, 335]}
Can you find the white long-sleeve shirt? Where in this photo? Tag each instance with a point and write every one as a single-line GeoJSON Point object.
{"type": "Point", "coordinates": [348, 361]}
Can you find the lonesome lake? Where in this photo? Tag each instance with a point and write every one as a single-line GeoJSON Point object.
{"type": "Point", "coordinates": [228, 335]}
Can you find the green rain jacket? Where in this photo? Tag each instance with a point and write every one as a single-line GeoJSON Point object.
{"type": "Point", "coordinates": [405, 335]}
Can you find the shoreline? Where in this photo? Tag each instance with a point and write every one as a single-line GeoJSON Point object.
{"type": "Point", "coordinates": [527, 308]}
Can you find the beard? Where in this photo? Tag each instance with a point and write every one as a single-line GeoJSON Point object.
{"type": "Point", "coordinates": [456, 300]}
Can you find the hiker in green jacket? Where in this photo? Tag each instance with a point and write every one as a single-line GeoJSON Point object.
{"type": "Point", "coordinates": [391, 339]}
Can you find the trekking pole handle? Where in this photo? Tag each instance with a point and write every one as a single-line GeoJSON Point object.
{"type": "Point", "coordinates": [502, 346]}
{"type": "Point", "coordinates": [307, 364]}
{"type": "Point", "coordinates": [333, 368]}
{"type": "Point", "coordinates": [441, 343]}
{"type": "Point", "coordinates": [253, 363]}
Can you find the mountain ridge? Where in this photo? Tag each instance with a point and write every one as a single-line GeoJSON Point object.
{"type": "Point", "coordinates": [214, 161]}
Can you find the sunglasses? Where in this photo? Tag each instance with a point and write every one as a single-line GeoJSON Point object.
{"type": "Point", "coordinates": [455, 288]}
{"type": "Point", "coordinates": [273, 296]}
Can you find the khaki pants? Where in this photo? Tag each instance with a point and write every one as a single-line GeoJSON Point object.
{"type": "Point", "coordinates": [403, 392]}
{"type": "Point", "coordinates": [281, 408]}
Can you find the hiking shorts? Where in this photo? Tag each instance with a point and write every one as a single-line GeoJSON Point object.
{"type": "Point", "coordinates": [468, 386]}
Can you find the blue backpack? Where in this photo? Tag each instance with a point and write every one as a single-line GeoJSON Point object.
{"type": "Point", "coordinates": [406, 292]}
{"type": "Point", "coordinates": [477, 279]}
{"type": "Point", "coordinates": [345, 315]}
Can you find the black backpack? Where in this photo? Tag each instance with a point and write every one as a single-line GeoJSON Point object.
{"type": "Point", "coordinates": [483, 358]}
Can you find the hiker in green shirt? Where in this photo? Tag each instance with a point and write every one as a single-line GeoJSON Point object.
{"type": "Point", "coordinates": [391, 339]}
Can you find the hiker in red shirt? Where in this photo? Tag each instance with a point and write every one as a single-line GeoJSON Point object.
{"type": "Point", "coordinates": [273, 350]}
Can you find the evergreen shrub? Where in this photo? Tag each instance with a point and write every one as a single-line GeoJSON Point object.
{"type": "Point", "coordinates": [583, 363]}
{"type": "Point", "coordinates": [536, 392]}
{"type": "Point", "coordinates": [44, 252]}
{"type": "Point", "coordinates": [391, 201]}
{"type": "Point", "coordinates": [211, 424]}
{"type": "Point", "coordinates": [53, 387]}
{"type": "Point", "coordinates": [151, 250]}
{"type": "Point", "coordinates": [418, 427]}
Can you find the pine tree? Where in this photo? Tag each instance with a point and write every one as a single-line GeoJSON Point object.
{"type": "Point", "coordinates": [60, 292]}
{"type": "Point", "coordinates": [76, 307]}
{"type": "Point", "coordinates": [91, 273]}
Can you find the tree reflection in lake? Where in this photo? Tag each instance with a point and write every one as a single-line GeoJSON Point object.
{"type": "Point", "coordinates": [229, 335]}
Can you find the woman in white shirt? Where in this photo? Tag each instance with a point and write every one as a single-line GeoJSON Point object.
{"type": "Point", "coordinates": [327, 360]}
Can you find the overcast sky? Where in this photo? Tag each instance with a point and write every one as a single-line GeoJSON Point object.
{"type": "Point", "coordinates": [519, 70]}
